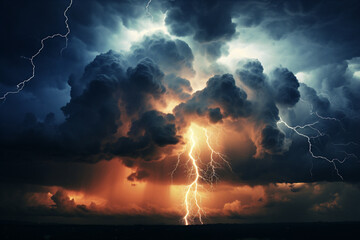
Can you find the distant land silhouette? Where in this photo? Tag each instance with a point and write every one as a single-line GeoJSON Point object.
{"type": "Point", "coordinates": [318, 230]}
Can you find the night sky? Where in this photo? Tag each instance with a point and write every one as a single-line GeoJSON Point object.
{"type": "Point", "coordinates": [135, 100]}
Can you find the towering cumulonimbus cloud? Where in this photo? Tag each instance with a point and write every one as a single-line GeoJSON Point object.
{"type": "Point", "coordinates": [106, 87]}
{"type": "Point", "coordinates": [273, 84]}
{"type": "Point", "coordinates": [280, 88]}
{"type": "Point", "coordinates": [119, 95]}
{"type": "Point", "coordinates": [221, 98]}
{"type": "Point", "coordinates": [173, 56]}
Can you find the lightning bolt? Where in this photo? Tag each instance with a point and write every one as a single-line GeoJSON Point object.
{"type": "Point", "coordinates": [148, 10]}
{"type": "Point", "coordinates": [320, 116]}
{"type": "Point", "coordinates": [311, 125]}
{"type": "Point", "coordinates": [177, 163]}
{"type": "Point", "coordinates": [199, 172]}
{"type": "Point", "coordinates": [310, 145]}
{"type": "Point", "coordinates": [193, 185]}
{"type": "Point", "coordinates": [20, 86]}
{"type": "Point", "coordinates": [213, 165]}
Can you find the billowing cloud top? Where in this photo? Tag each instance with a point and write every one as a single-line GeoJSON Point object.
{"type": "Point", "coordinates": [276, 81]}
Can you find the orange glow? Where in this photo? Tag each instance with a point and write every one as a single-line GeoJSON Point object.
{"type": "Point", "coordinates": [213, 164]}
{"type": "Point", "coordinates": [106, 189]}
{"type": "Point", "coordinates": [200, 170]}
{"type": "Point", "coordinates": [82, 198]}
{"type": "Point", "coordinates": [171, 104]}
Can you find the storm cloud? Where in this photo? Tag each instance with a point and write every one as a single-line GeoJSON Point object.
{"type": "Point", "coordinates": [276, 84]}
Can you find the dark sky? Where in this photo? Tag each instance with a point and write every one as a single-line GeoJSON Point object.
{"type": "Point", "coordinates": [97, 132]}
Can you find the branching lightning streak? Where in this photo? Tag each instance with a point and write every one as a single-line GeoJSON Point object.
{"type": "Point", "coordinates": [20, 86]}
{"type": "Point", "coordinates": [310, 149]}
{"type": "Point", "coordinates": [347, 155]}
{"type": "Point", "coordinates": [194, 184]}
{"type": "Point", "coordinates": [192, 196]}
{"type": "Point", "coordinates": [326, 118]}
{"type": "Point", "coordinates": [320, 116]}
{"type": "Point", "coordinates": [213, 164]}
{"type": "Point", "coordinates": [177, 163]}
{"type": "Point", "coordinates": [148, 10]}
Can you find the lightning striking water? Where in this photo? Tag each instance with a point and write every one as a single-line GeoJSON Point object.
{"type": "Point", "coordinates": [193, 185]}
{"type": "Point", "coordinates": [20, 86]}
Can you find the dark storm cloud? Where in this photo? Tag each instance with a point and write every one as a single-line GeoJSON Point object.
{"type": "Point", "coordinates": [116, 90]}
{"type": "Point", "coordinates": [285, 87]}
{"type": "Point", "coordinates": [178, 87]}
{"type": "Point", "coordinates": [221, 98]}
{"type": "Point", "coordinates": [146, 135]}
{"type": "Point", "coordinates": [338, 83]}
{"type": "Point", "coordinates": [36, 201]}
{"type": "Point", "coordinates": [214, 22]}
{"type": "Point", "coordinates": [272, 139]}
{"type": "Point", "coordinates": [88, 24]}
{"type": "Point", "coordinates": [105, 16]}
{"type": "Point", "coordinates": [93, 116]}
{"type": "Point", "coordinates": [251, 74]}
{"type": "Point", "coordinates": [318, 103]}
{"type": "Point", "coordinates": [280, 92]}
{"type": "Point", "coordinates": [112, 64]}
{"type": "Point", "coordinates": [208, 22]}
{"type": "Point", "coordinates": [281, 86]}
{"type": "Point", "coordinates": [308, 25]}
{"type": "Point", "coordinates": [145, 82]}
{"type": "Point", "coordinates": [173, 56]}
{"type": "Point", "coordinates": [62, 201]}
{"type": "Point", "coordinates": [270, 90]}
{"type": "Point", "coordinates": [318, 19]}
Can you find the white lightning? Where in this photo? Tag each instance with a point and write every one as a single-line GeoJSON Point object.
{"type": "Point", "coordinates": [310, 145]}
{"type": "Point", "coordinates": [320, 134]}
{"type": "Point", "coordinates": [177, 163]}
{"type": "Point", "coordinates": [147, 7]}
{"type": "Point", "coordinates": [199, 171]}
{"type": "Point", "coordinates": [316, 113]}
{"type": "Point", "coordinates": [194, 184]}
{"type": "Point", "coordinates": [330, 119]}
{"type": "Point", "coordinates": [20, 86]}
{"type": "Point", "coordinates": [213, 165]}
